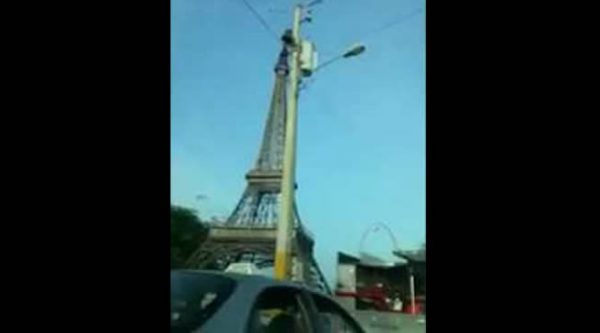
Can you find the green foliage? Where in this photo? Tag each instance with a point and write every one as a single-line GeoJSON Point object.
{"type": "Point", "coordinates": [187, 233]}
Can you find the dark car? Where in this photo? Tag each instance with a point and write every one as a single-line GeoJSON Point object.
{"type": "Point", "coordinates": [204, 301]}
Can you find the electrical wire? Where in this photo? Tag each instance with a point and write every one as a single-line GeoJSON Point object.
{"type": "Point", "coordinates": [391, 24]}
{"type": "Point", "coordinates": [260, 19]}
{"type": "Point", "coordinates": [366, 36]}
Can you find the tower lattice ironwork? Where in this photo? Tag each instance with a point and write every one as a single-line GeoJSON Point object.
{"type": "Point", "coordinates": [249, 233]}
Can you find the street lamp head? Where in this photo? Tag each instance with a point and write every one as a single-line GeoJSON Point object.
{"type": "Point", "coordinates": [355, 50]}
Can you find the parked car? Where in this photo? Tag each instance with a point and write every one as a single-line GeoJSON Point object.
{"type": "Point", "coordinates": [216, 302]}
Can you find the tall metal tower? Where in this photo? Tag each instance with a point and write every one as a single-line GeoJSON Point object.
{"type": "Point", "coordinates": [249, 233]}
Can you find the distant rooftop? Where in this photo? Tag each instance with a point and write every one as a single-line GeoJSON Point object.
{"type": "Point", "coordinates": [411, 256]}
{"type": "Point", "coordinates": [367, 259]}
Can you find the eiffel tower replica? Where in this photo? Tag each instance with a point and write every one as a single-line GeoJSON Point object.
{"type": "Point", "coordinates": [249, 233]}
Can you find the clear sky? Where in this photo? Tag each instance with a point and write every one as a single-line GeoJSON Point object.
{"type": "Point", "coordinates": [361, 130]}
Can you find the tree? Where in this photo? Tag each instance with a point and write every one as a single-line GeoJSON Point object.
{"type": "Point", "coordinates": [187, 233]}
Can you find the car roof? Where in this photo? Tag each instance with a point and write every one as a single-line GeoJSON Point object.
{"type": "Point", "coordinates": [247, 289]}
{"type": "Point", "coordinates": [239, 278]}
{"type": "Point", "coordinates": [234, 313]}
{"type": "Point", "coordinates": [251, 281]}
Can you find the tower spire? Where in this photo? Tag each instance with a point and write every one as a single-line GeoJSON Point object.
{"type": "Point", "coordinates": [259, 204]}
{"type": "Point", "coordinates": [271, 151]}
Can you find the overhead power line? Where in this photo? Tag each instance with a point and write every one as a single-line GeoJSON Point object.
{"type": "Point", "coordinates": [260, 19]}
{"type": "Point", "coordinates": [369, 34]}
{"type": "Point", "coordinates": [391, 24]}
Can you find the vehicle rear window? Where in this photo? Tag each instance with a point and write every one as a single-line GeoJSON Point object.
{"type": "Point", "coordinates": [196, 297]}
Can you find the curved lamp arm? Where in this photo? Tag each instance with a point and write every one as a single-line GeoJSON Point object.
{"type": "Point", "coordinates": [353, 51]}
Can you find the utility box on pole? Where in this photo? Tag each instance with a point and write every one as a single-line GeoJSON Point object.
{"type": "Point", "coordinates": [308, 58]}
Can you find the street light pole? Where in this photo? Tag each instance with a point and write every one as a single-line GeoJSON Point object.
{"type": "Point", "coordinates": [285, 225]}
{"type": "Point", "coordinates": [283, 247]}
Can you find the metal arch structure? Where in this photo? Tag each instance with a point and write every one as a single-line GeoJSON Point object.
{"type": "Point", "coordinates": [249, 233]}
{"type": "Point", "coordinates": [373, 227]}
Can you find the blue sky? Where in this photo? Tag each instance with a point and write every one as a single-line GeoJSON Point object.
{"type": "Point", "coordinates": [361, 123]}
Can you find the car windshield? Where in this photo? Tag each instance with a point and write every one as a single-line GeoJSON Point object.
{"type": "Point", "coordinates": [196, 297]}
